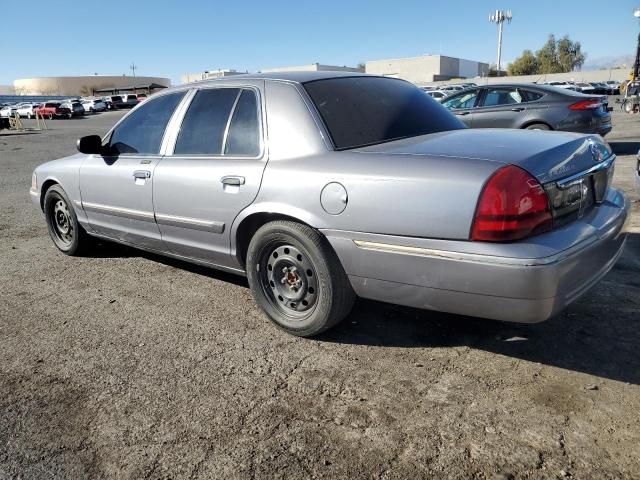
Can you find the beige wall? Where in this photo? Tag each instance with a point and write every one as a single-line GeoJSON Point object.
{"type": "Point", "coordinates": [587, 76]}
{"type": "Point", "coordinates": [424, 69]}
{"type": "Point", "coordinates": [313, 67]}
{"type": "Point", "coordinates": [79, 85]}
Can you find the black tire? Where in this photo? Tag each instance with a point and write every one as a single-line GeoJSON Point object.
{"type": "Point", "coordinates": [538, 126]}
{"type": "Point", "coordinates": [65, 231]}
{"type": "Point", "coordinates": [297, 279]}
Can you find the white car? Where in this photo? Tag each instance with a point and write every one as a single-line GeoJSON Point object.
{"type": "Point", "coordinates": [437, 95]}
{"type": "Point", "coordinates": [8, 111]}
{"type": "Point", "coordinates": [449, 89]}
{"type": "Point", "coordinates": [94, 105]}
{"type": "Point", "coordinates": [565, 85]}
{"type": "Point", "coordinates": [26, 110]}
{"type": "Point", "coordinates": [585, 88]}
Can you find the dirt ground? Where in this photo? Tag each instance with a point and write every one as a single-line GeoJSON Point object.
{"type": "Point", "coordinates": [129, 365]}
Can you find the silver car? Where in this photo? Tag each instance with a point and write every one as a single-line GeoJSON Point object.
{"type": "Point", "coordinates": [321, 187]}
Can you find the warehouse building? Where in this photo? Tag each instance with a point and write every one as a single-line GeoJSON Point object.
{"type": "Point", "coordinates": [83, 85]}
{"type": "Point", "coordinates": [208, 74]}
{"type": "Point", "coordinates": [428, 68]}
{"type": "Point", "coordinates": [314, 67]}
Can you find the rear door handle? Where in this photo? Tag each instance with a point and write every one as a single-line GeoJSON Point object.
{"type": "Point", "coordinates": [517, 109]}
{"type": "Point", "coordinates": [142, 174]}
{"type": "Point", "coordinates": [461, 113]}
{"type": "Point", "coordinates": [232, 180]}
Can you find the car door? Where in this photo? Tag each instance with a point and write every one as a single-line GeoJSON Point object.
{"type": "Point", "coordinates": [500, 107]}
{"type": "Point", "coordinates": [116, 187]}
{"type": "Point", "coordinates": [462, 105]}
{"type": "Point", "coordinates": [212, 173]}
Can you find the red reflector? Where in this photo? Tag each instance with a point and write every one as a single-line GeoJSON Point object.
{"type": "Point", "coordinates": [513, 205]}
{"type": "Point", "coordinates": [589, 104]}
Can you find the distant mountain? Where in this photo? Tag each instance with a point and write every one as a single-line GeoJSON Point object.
{"type": "Point", "coordinates": [609, 62]}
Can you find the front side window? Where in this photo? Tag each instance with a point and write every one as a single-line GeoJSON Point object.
{"type": "Point", "coordinates": [204, 124]}
{"type": "Point", "coordinates": [360, 111]}
{"type": "Point", "coordinates": [461, 101]}
{"type": "Point", "coordinates": [141, 132]}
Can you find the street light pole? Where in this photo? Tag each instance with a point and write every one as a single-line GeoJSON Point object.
{"type": "Point", "coordinates": [636, 65]}
{"type": "Point", "coordinates": [499, 17]}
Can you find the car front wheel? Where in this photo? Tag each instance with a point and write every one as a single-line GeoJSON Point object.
{"type": "Point", "coordinates": [297, 279]}
{"type": "Point", "coordinates": [65, 231]}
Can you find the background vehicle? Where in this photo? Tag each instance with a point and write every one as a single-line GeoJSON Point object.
{"type": "Point", "coordinates": [8, 111]}
{"type": "Point", "coordinates": [615, 86]}
{"type": "Point", "coordinates": [586, 88]}
{"type": "Point", "coordinates": [93, 105]}
{"type": "Point", "coordinates": [26, 110]}
{"type": "Point", "coordinates": [437, 95]}
{"type": "Point", "coordinates": [107, 102]}
{"type": "Point", "coordinates": [76, 108]}
{"type": "Point", "coordinates": [535, 107]}
{"type": "Point", "coordinates": [141, 97]}
{"type": "Point", "coordinates": [513, 230]}
{"type": "Point", "coordinates": [52, 110]}
{"type": "Point", "coordinates": [559, 84]}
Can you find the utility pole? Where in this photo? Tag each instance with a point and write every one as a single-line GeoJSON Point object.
{"type": "Point", "coordinates": [133, 67]}
{"type": "Point", "coordinates": [499, 17]}
{"type": "Point", "coordinates": [636, 65]}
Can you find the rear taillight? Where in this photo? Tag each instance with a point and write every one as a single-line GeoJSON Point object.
{"type": "Point", "coordinates": [513, 205]}
{"type": "Point", "coordinates": [590, 104]}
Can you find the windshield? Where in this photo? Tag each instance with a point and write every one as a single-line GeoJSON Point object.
{"type": "Point", "coordinates": [359, 111]}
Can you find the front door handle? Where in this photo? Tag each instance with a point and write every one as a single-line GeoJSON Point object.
{"type": "Point", "coordinates": [461, 113]}
{"type": "Point", "coordinates": [143, 174]}
{"type": "Point", "coordinates": [232, 180]}
{"type": "Point", "coordinates": [517, 109]}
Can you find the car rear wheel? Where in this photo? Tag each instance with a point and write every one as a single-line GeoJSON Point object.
{"type": "Point", "coordinates": [538, 126]}
{"type": "Point", "coordinates": [65, 231]}
{"type": "Point", "coordinates": [297, 279]}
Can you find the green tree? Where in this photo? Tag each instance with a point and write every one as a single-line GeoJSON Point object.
{"type": "Point", "coordinates": [547, 57]}
{"type": "Point", "coordinates": [525, 64]}
{"type": "Point", "coordinates": [570, 54]}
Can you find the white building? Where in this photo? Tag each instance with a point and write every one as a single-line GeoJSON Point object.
{"type": "Point", "coordinates": [427, 68]}
{"type": "Point", "coordinates": [208, 74]}
{"type": "Point", "coordinates": [313, 67]}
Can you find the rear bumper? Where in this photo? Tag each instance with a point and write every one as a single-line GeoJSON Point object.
{"type": "Point", "coordinates": [525, 282]}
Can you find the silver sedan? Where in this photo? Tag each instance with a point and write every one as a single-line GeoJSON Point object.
{"type": "Point", "coordinates": [321, 187]}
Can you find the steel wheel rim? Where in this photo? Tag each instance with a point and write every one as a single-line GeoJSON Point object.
{"type": "Point", "coordinates": [289, 280]}
{"type": "Point", "coordinates": [61, 222]}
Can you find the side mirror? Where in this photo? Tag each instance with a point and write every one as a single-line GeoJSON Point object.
{"type": "Point", "coordinates": [90, 145]}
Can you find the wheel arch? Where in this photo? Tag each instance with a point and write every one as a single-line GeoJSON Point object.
{"type": "Point", "coordinates": [249, 221]}
{"type": "Point", "coordinates": [46, 185]}
{"type": "Point", "coordinates": [528, 123]}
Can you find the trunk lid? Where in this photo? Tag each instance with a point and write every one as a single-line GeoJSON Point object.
{"type": "Point", "coordinates": [549, 156]}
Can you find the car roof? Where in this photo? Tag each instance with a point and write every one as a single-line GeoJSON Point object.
{"type": "Point", "coordinates": [293, 77]}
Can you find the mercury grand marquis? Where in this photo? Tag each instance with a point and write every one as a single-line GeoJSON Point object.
{"type": "Point", "coordinates": [321, 187]}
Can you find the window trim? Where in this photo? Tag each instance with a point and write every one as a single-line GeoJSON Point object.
{"type": "Point", "coordinates": [171, 144]}
{"type": "Point", "coordinates": [106, 139]}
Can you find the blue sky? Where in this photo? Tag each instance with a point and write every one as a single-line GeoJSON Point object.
{"type": "Point", "coordinates": [168, 38]}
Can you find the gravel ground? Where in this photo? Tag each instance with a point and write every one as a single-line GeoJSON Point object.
{"type": "Point", "coordinates": [130, 365]}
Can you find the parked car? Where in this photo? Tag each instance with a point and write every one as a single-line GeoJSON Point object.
{"type": "Point", "coordinates": [128, 100]}
{"type": "Point", "coordinates": [437, 95]}
{"type": "Point", "coordinates": [26, 110]}
{"type": "Point", "coordinates": [558, 84]}
{"type": "Point", "coordinates": [449, 89]}
{"type": "Point", "coordinates": [93, 105]}
{"type": "Point", "coordinates": [108, 102]}
{"type": "Point", "coordinates": [8, 111]}
{"type": "Point", "coordinates": [503, 224]}
{"type": "Point", "coordinates": [615, 87]}
{"type": "Point", "coordinates": [52, 110]}
{"type": "Point", "coordinates": [77, 110]}
{"type": "Point", "coordinates": [534, 107]}
{"type": "Point", "coordinates": [141, 97]}
{"type": "Point", "coordinates": [585, 88]}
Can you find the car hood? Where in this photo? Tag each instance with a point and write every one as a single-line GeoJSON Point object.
{"type": "Point", "coordinates": [549, 156]}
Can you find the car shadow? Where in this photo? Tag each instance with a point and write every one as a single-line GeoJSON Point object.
{"type": "Point", "coordinates": [598, 335]}
{"type": "Point", "coordinates": [625, 147]}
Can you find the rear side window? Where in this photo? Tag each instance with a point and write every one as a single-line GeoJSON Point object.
{"type": "Point", "coordinates": [530, 96]}
{"type": "Point", "coordinates": [360, 111]}
{"type": "Point", "coordinates": [502, 96]}
{"type": "Point", "coordinates": [204, 124]}
{"type": "Point", "coordinates": [142, 131]}
{"type": "Point", "coordinates": [243, 138]}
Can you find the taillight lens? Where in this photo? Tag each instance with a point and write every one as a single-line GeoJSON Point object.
{"type": "Point", "coordinates": [513, 205]}
{"type": "Point", "coordinates": [589, 104]}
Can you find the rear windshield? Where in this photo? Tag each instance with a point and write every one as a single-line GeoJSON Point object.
{"type": "Point", "coordinates": [360, 111]}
